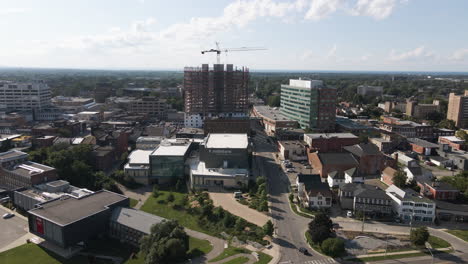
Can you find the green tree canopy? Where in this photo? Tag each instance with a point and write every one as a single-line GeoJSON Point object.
{"type": "Point", "coordinates": [333, 247]}
{"type": "Point", "coordinates": [419, 236]}
{"type": "Point", "coordinates": [166, 243]}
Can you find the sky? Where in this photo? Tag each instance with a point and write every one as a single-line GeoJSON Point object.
{"type": "Point", "coordinates": [337, 35]}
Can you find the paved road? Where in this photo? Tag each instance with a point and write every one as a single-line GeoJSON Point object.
{"type": "Point", "coordinates": [289, 227]}
{"type": "Point", "coordinates": [217, 243]}
{"type": "Point", "coordinates": [11, 229]}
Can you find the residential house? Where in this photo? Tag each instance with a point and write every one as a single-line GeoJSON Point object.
{"type": "Point", "coordinates": [437, 190]}
{"type": "Point", "coordinates": [365, 198]}
{"type": "Point", "coordinates": [353, 175]}
{"type": "Point", "coordinates": [335, 178]}
{"type": "Point", "coordinates": [422, 147]}
{"type": "Point", "coordinates": [410, 205]}
{"type": "Point", "coordinates": [313, 193]}
{"type": "Point", "coordinates": [371, 160]}
{"type": "Point", "coordinates": [414, 173]}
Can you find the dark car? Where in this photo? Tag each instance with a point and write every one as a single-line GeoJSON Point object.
{"type": "Point", "coordinates": [304, 251]}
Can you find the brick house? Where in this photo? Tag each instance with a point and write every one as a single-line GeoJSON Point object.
{"type": "Point", "coordinates": [437, 190]}
{"type": "Point", "coordinates": [371, 160]}
{"type": "Point", "coordinates": [325, 163]}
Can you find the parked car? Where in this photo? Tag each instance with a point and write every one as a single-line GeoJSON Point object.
{"type": "Point", "coordinates": [8, 215]}
{"type": "Point", "coordinates": [290, 170]}
{"type": "Point", "coordinates": [237, 195]}
{"type": "Point", "coordinates": [430, 163]}
{"type": "Point", "coordinates": [349, 214]}
{"type": "Point", "coordinates": [303, 251]}
{"type": "Point", "coordinates": [308, 166]}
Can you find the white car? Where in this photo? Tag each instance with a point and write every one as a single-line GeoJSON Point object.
{"type": "Point", "coordinates": [349, 214]}
{"type": "Point", "coordinates": [8, 215]}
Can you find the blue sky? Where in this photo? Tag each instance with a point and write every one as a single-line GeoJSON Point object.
{"type": "Point", "coordinates": [356, 35]}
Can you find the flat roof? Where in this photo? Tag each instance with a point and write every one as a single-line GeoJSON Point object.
{"type": "Point", "coordinates": [135, 219]}
{"type": "Point", "coordinates": [139, 156]}
{"type": "Point", "coordinates": [223, 141]}
{"type": "Point", "coordinates": [330, 135]}
{"type": "Point", "coordinates": [171, 150]}
{"type": "Point", "coordinates": [272, 113]}
{"type": "Point", "coordinates": [12, 154]}
{"type": "Point", "coordinates": [422, 143]}
{"type": "Point", "coordinates": [199, 168]}
{"type": "Point", "coordinates": [29, 168]}
{"type": "Point", "coordinates": [67, 209]}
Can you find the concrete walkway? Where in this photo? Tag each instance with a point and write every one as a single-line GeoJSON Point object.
{"type": "Point", "coordinates": [394, 253]}
{"type": "Point", "coordinates": [141, 194]}
{"type": "Point", "coordinates": [251, 258]}
{"type": "Point", "coordinates": [217, 243]}
{"type": "Point", "coordinates": [227, 201]}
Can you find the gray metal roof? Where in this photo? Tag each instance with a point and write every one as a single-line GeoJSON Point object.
{"type": "Point", "coordinates": [135, 219]}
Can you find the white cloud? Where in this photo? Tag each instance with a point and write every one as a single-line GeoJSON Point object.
{"type": "Point", "coordinates": [10, 11]}
{"type": "Point", "coordinates": [307, 55]}
{"type": "Point", "coordinates": [378, 9]}
{"type": "Point", "coordinates": [459, 55]}
{"type": "Point", "coordinates": [332, 52]}
{"type": "Point", "coordinates": [417, 53]}
{"type": "Point", "coordinates": [320, 9]}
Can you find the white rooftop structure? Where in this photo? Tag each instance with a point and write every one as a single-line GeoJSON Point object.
{"type": "Point", "coordinates": [199, 168]}
{"type": "Point", "coordinates": [305, 83]}
{"type": "Point", "coordinates": [139, 156]}
{"type": "Point", "coordinates": [223, 141]}
{"type": "Point", "coordinates": [168, 148]}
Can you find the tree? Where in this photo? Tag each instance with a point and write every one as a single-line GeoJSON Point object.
{"type": "Point", "coordinates": [461, 134]}
{"type": "Point", "coordinates": [449, 124]}
{"type": "Point", "coordinates": [321, 219]}
{"type": "Point", "coordinates": [319, 234]}
{"type": "Point", "coordinates": [274, 101]}
{"type": "Point", "coordinates": [419, 236]}
{"type": "Point", "coordinates": [333, 247]}
{"type": "Point", "coordinates": [268, 228]}
{"type": "Point", "coordinates": [240, 224]}
{"type": "Point", "coordinates": [166, 243]}
{"type": "Point", "coordinates": [400, 178]}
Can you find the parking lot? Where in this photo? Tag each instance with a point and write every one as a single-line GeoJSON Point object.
{"type": "Point", "coordinates": [11, 229]}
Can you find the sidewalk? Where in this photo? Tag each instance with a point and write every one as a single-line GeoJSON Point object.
{"type": "Point", "coordinates": [393, 253]}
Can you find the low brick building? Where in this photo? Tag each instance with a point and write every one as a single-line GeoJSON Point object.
{"type": "Point", "coordinates": [332, 142]}
{"type": "Point", "coordinates": [422, 147]}
{"type": "Point", "coordinates": [325, 163]}
{"type": "Point", "coordinates": [371, 160]}
{"type": "Point", "coordinates": [454, 142]}
{"type": "Point", "coordinates": [437, 190]}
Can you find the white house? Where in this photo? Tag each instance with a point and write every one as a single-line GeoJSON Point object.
{"type": "Point", "coordinates": [406, 160]}
{"type": "Point", "coordinates": [417, 172]}
{"type": "Point", "coordinates": [335, 178]}
{"type": "Point", "coordinates": [312, 192]}
{"type": "Point", "coordinates": [353, 176]}
{"type": "Point", "coordinates": [411, 206]}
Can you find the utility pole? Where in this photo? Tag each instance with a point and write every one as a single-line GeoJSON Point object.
{"type": "Point", "coordinates": [363, 217]}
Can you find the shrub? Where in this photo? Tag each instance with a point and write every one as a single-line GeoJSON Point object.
{"type": "Point", "coordinates": [419, 236]}
{"type": "Point", "coordinates": [333, 247]}
{"type": "Point", "coordinates": [170, 197]}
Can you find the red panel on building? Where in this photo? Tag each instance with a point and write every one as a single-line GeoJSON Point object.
{"type": "Point", "coordinates": [39, 226]}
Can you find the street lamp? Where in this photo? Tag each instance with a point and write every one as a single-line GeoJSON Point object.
{"type": "Point", "coordinates": [429, 247]}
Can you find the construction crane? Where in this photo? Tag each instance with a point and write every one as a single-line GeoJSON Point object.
{"type": "Point", "coordinates": [218, 50]}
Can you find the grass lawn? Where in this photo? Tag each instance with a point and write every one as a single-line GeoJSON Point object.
{"type": "Point", "coordinates": [230, 251]}
{"type": "Point", "coordinates": [198, 247]}
{"type": "Point", "coordinates": [294, 208]}
{"type": "Point", "coordinates": [463, 234]}
{"type": "Point", "coordinates": [239, 260]}
{"type": "Point", "coordinates": [263, 258]}
{"type": "Point", "coordinates": [32, 253]}
{"type": "Point", "coordinates": [133, 202]}
{"type": "Point", "coordinates": [154, 206]}
{"type": "Point", "coordinates": [438, 242]}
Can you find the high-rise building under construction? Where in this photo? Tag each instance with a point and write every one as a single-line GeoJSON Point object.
{"type": "Point", "coordinates": [215, 92]}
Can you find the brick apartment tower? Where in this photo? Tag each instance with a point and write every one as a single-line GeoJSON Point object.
{"type": "Point", "coordinates": [214, 92]}
{"type": "Point", "coordinates": [458, 109]}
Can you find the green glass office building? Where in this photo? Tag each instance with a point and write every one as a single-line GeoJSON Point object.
{"type": "Point", "coordinates": [310, 103]}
